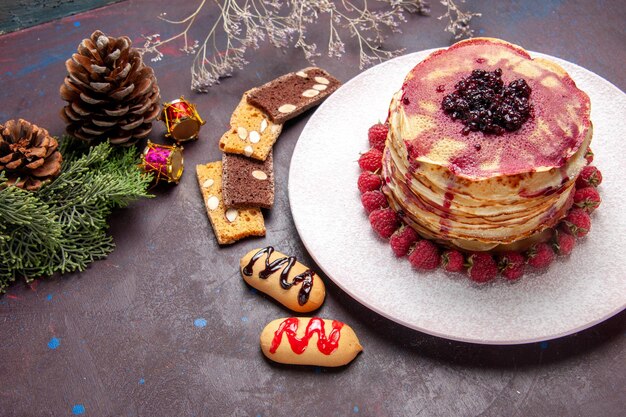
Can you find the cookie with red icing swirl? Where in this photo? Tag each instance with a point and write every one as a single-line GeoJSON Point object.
{"type": "Point", "coordinates": [310, 341]}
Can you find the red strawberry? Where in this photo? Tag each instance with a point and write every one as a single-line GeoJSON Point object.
{"type": "Point", "coordinates": [452, 261]}
{"type": "Point", "coordinates": [402, 240]}
{"type": "Point", "coordinates": [425, 255]}
{"type": "Point", "coordinates": [511, 265]}
{"type": "Point", "coordinates": [377, 135]}
{"type": "Point", "coordinates": [369, 181]}
{"type": "Point", "coordinates": [384, 222]}
{"type": "Point", "coordinates": [371, 160]}
{"type": "Point", "coordinates": [481, 267]}
{"type": "Point", "coordinates": [587, 199]}
{"type": "Point", "coordinates": [540, 255]}
{"type": "Point", "coordinates": [589, 155]}
{"type": "Point", "coordinates": [577, 222]}
{"type": "Point", "coordinates": [373, 200]}
{"type": "Point", "coordinates": [589, 176]}
{"type": "Point", "coordinates": [564, 243]}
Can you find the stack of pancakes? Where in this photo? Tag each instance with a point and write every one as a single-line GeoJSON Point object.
{"type": "Point", "coordinates": [482, 191]}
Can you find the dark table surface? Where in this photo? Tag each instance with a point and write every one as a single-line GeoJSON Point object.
{"type": "Point", "coordinates": [120, 339]}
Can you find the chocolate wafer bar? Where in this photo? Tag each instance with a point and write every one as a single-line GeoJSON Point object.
{"type": "Point", "coordinates": [230, 224]}
{"type": "Point", "coordinates": [247, 182]}
{"type": "Point", "coordinates": [292, 94]}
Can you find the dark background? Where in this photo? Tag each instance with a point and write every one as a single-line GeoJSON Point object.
{"type": "Point", "coordinates": [20, 14]}
{"type": "Point", "coordinates": [128, 343]}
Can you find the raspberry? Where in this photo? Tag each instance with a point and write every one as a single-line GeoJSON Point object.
{"type": "Point", "coordinates": [384, 222]}
{"type": "Point", "coordinates": [587, 199]}
{"type": "Point", "coordinates": [589, 155]}
{"type": "Point", "coordinates": [540, 256]}
{"type": "Point", "coordinates": [589, 176]}
{"type": "Point", "coordinates": [425, 255]}
{"type": "Point", "coordinates": [564, 243]}
{"type": "Point", "coordinates": [577, 222]}
{"type": "Point", "coordinates": [481, 267]}
{"type": "Point", "coordinates": [402, 240]}
{"type": "Point", "coordinates": [371, 160]}
{"type": "Point", "coordinates": [369, 181]}
{"type": "Point", "coordinates": [377, 135]}
{"type": "Point", "coordinates": [373, 200]}
{"type": "Point", "coordinates": [452, 261]}
{"type": "Point", "coordinates": [511, 265]}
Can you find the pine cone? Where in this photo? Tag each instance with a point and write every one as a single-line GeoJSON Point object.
{"type": "Point", "coordinates": [28, 154]}
{"type": "Point", "coordinates": [111, 94]}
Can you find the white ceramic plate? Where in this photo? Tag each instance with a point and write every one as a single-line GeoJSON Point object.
{"type": "Point", "coordinates": [573, 294]}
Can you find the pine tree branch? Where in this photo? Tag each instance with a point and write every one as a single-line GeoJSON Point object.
{"type": "Point", "coordinates": [62, 227]}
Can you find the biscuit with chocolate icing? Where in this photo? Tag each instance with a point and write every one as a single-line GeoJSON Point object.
{"type": "Point", "coordinates": [247, 182]}
{"type": "Point", "coordinates": [283, 278]}
{"type": "Point", "coordinates": [229, 225]}
{"type": "Point", "coordinates": [251, 132]}
{"type": "Point", "coordinates": [292, 94]}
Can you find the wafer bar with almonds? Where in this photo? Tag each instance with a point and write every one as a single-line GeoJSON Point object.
{"type": "Point", "coordinates": [251, 132]}
{"type": "Point", "coordinates": [229, 225]}
{"type": "Point", "coordinates": [292, 94]}
{"type": "Point", "coordinates": [247, 182]}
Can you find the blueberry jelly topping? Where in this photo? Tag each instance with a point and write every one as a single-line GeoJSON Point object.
{"type": "Point", "coordinates": [482, 102]}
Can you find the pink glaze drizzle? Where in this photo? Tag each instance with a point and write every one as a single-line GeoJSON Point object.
{"type": "Point", "coordinates": [289, 327]}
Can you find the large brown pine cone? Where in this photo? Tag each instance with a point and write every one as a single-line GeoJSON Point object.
{"type": "Point", "coordinates": [28, 154]}
{"type": "Point", "coordinates": [111, 94]}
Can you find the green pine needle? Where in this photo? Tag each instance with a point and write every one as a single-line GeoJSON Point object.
{"type": "Point", "coordinates": [62, 227]}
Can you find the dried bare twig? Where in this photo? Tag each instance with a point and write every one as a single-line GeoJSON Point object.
{"type": "Point", "coordinates": [247, 23]}
{"type": "Point", "coordinates": [458, 21]}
